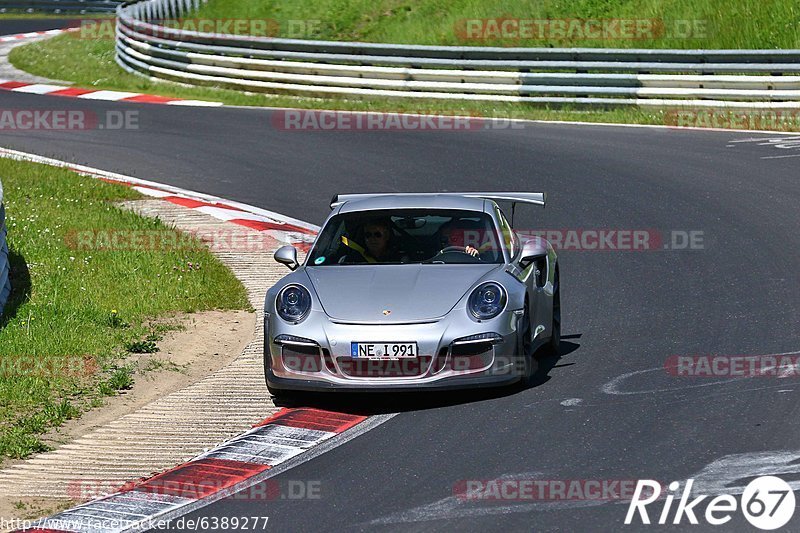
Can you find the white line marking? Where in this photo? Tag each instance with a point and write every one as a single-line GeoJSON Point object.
{"type": "Point", "coordinates": [613, 386]}
{"type": "Point", "coordinates": [39, 88]}
{"type": "Point", "coordinates": [112, 96]}
{"type": "Point", "coordinates": [147, 191]}
{"type": "Point", "coordinates": [780, 156]}
{"type": "Point", "coordinates": [767, 139]}
{"type": "Point", "coordinates": [726, 475]}
{"type": "Point", "coordinates": [451, 508]}
{"type": "Point", "coordinates": [731, 473]}
{"type": "Point", "coordinates": [227, 214]}
{"type": "Point", "coordinates": [195, 103]}
{"type": "Point", "coordinates": [456, 506]}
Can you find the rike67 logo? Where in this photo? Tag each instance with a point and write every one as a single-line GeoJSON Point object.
{"type": "Point", "coordinates": [767, 502]}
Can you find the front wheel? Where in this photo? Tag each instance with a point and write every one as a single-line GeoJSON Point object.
{"type": "Point", "coordinates": [279, 396]}
{"type": "Point", "coordinates": [282, 397]}
{"type": "Point", "coordinates": [525, 347]}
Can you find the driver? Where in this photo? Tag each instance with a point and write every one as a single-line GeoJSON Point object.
{"type": "Point", "coordinates": [453, 236]}
{"type": "Point", "coordinates": [377, 235]}
{"type": "Point", "coordinates": [379, 246]}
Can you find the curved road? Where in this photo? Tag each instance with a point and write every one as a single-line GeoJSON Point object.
{"type": "Point", "coordinates": [606, 410]}
{"type": "Point", "coordinates": [12, 26]}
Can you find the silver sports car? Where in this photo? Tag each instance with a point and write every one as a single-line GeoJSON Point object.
{"type": "Point", "coordinates": [413, 291]}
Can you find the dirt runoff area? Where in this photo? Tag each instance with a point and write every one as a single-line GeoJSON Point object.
{"type": "Point", "coordinates": [204, 343]}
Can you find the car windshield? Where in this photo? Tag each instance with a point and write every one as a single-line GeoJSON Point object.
{"type": "Point", "coordinates": [407, 236]}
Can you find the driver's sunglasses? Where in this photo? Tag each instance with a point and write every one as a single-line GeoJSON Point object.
{"type": "Point", "coordinates": [376, 234]}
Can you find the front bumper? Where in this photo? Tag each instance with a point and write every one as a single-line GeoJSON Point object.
{"type": "Point", "coordinates": [315, 355]}
{"type": "Point", "coordinates": [307, 385]}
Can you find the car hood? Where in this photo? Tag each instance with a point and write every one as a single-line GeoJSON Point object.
{"type": "Point", "coordinates": [410, 293]}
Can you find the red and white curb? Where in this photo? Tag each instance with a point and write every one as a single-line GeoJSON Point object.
{"type": "Point", "coordinates": [86, 94]}
{"type": "Point", "coordinates": [235, 465]}
{"type": "Point", "coordinates": [32, 34]}
{"type": "Point", "coordinates": [282, 228]}
{"type": "Point", "coordinates": [96, 94]}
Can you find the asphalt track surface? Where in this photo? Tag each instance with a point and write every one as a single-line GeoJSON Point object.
{"type": "Point", "coordinates": [10, 26]}
{"type": "Point", "coordinates": [607, 409]}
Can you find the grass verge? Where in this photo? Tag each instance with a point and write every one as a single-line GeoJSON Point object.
{"type": "Point", "coordinates": [74, 314]}
{"type": "Point", "coordinates": [677, 23]}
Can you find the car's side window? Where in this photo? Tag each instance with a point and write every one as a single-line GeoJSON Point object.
{"type": "Point", "coordinates": [509, 238]}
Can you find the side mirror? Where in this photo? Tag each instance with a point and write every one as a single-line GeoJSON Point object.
{"type": "Point", "coordinates": [287, 255]}
{"type": "Point", "coordinates": [533, 250]}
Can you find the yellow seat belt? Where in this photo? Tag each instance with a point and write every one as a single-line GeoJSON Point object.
{"type": "Point", "coordinates": [357, 247]}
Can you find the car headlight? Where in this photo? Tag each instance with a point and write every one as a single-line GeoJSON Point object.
{"type": "Point", "coordinates": [293, 303]}
{"type": "Point", "coordinates": [487, 300]}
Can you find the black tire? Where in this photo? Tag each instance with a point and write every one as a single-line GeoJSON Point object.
{"type": "Point", "coordinates": [554, 345]}
{"type": "Point", "coordinates": [275, 393]}
{"type": "Point", "coordinates": [526, 344]}
{"type": "Point", "coordinates": [283, 398]}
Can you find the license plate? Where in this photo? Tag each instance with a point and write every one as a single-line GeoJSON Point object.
{"type": "Point", "coordinates": [383, 350]}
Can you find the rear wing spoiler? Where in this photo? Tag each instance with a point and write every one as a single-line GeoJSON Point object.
{"type": "Point", "coordinates": [535, 198]}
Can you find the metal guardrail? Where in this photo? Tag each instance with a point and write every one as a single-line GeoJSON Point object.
{"type": "Point", "coordinates": [5, 281]}
{"type": "Point", "coordinates": [61, 6]}
{"type": "Point", "coordinates": [735, 78]}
